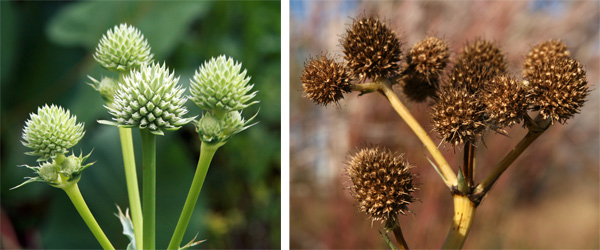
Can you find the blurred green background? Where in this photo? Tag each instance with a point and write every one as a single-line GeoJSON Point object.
{"type": "Point", "coordinates": [46, 55]}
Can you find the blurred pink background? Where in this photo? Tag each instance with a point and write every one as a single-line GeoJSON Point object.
{"type": "Point", "coordinates": [548, 198]}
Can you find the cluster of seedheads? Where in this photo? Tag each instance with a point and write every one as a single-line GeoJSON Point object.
{"type": "Point", "coordinates": [474, 96]}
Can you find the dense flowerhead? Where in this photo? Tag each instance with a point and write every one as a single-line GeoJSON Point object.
{"type": "Point", "coordinates": [221, 85]}
{"type": "Point", "coordinates": [371, 49]}
{"type": "Point", "coordinates": [61, 172]}
{"type": "Point", "coordinates": [457, 116]}
{"type": "Point", "coordinates": [551, 49]}
{"type": "Point", "coordinates": [324, 80]}
{"type": "Point", "coordinates": [149, 98]}
{"type": "Point", "coordinates": [218, 130]}
{"type": "Point", "coordinates": [505, 102]}
{"type": "Point", "coordinates": [51, 131]}
{"type": "Point", "coordinates": [478, 63]}
{"type": "Point", "coordinates": [557, 88]}
{"type": "Point", "coordinates": [123, 48]}
{"type": "Point", "coordinates": [382, 184]}
{"type": "Point", "coordinates": [426, 61]}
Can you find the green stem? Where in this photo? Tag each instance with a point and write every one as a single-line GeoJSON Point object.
{"type": "Point", "coordinates": [77, 199]}
{"type": "Point", "coordinates": [132, 184]}
{"type": "Point", "coordinates": [207, 151]}
{"type": "Point", "coordinates": [149, 186]}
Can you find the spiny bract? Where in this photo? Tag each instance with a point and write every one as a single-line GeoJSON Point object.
{"type": "Point", "coordinates": [51, 131]}
{"type": "Point", "coordinates": [215, 130]}
{"type": "Point", "coordinates": [123, 48]}
{"type": "Point", "coordinates": [220, 85]}
{"type": "Point", "coordinates": [149, 98]}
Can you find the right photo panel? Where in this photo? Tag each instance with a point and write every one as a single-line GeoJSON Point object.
{"type": "Point", "coordinates": [444, 124]}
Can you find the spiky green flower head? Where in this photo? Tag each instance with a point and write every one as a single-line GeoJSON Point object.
{"type": "Point", "coordinates": [149, 98]}
{"type": "Point", "coordinates": [52, 131]}
{"type": "Point", "coordinates": [214, 130]}
{"type": "Point", "coordinates": [123, 48]}
{"type": "Point", "coordinates": [61, 172]}
{"type": "Point", "coordinates": [220, 85]}
{"type": "Point", "coordinates": [106, 87]}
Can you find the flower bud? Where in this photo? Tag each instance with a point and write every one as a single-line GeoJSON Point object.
{"type": "Point", "coordinates": [382, 184]}
{"type": "Point", "coordinates": [215, 130]}
{"type": "Point", "coordinates": [371, 49]}
{"type": "Point", "coordinates": [149, 98]}
{"type": "Point", "coordinates": [60, 172]}
{"type": "Point", "coordinates": [324, 80]}
{"type": "Point", "coordinates": [122, 49]}
{"type": "Point", "coordinates": [220, 85]}
{"type": "Point", "coordinates": [106, 87]}
{"type": "Point", "coordinates": [51, 131]}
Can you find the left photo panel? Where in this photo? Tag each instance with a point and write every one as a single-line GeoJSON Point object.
{"type": "Point", "coordinates": [140, 125]}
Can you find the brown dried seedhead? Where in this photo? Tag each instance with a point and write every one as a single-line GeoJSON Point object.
{"type": "Point", "coordinates": [371, 49]}
{"type": "Point", "coordinates": [478, 63]}
{"type": "Point", "coordinates": [558, 88]}
{"type": "Point", "coordinates": [381, 183]}
{"type": "Point", "coordinates": [505, 101]}
{"type": "Point", "coordinates": [457, 115]}
{"type": "Point", "coordinates": [324, 80]}
{"type": "Point", "coordinates": [541, 52]}
{"type": "Point", "coordinates": [426, 61]}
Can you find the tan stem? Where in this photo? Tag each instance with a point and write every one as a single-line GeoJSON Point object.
{"type": "Point", "coordinates": [464, 210]}
{"type": "Point", "coordinates": [400, 238]}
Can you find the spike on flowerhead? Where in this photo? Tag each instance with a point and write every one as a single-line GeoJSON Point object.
{"type": "Point", "coordinates": [221, 85]}
{"type": "Point", "coordinates": [324, 80]}
{"type": "Point", "coordinates": [51, 131]}
{"type": "Point", "coordinates": [382, 184]}
{"type": "Point", "coordinates": [372, 50]}
{"type": "Point", "coordinates": [149, 98]}
{"type": "Point", "coordinates": [123, 48]}
{"type": "Point", "coordinates": [558, 88]}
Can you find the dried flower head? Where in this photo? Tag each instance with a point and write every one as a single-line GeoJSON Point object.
{"type": "Point", "coordinates": [541, 52]}
{"type": "Point", "coordinates": [371, 49]}
{"type": "Point", "coordinates": [505, 102]}
{"type": "Point", "coordinates": [558, 88]}
{"type": "Point", "coordinates": [221, 85]}
{"type": "Point", "coordinates": [149, 98]}
{"type": "Point", "coordinates": [426, 61]}
{"type": "Point", "coordinates": [381, 183]}
{"type": "Point", "coordinates": [457, 116]}
{"type": "Point", "coordinates": [52, 131]}
{"type": "Point", "coordinates": [123, 48]}
{"type": "Point", "coordinates": [478, 63]}
{"type": "Point", "coordinates": [324, 80]}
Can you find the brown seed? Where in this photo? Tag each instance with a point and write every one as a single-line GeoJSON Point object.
{"type": "Point", "coordinates": [382, 184]}
{"type": "Point", "coordinates": [324, 80]}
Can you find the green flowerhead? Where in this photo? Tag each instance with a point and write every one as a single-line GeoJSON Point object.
{"type": "Point", "coordinates": [122, 49]}
{"type": "Point", "coordinates": [61, 172]}
{"type": "Point", "coordinates": [220, 85]}
{"type": "Point", "coordinates": [52, 131]}
{"type": "Point", "coordinates": [216, 130]}
{"type": "Point", "coordinates": [106, 87]}
{"type": "Point", "coordinates": [149, 98]}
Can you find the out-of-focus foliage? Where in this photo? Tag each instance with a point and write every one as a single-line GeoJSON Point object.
{"type": "Point", "coordinates": [46, 55]}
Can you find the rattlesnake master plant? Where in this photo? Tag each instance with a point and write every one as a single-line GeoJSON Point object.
{"type": "Point", "coordinates": [52, 131]}
{"type": "Point", "coordinates": [61, 172]}
{"type": "Point", "coordinates": [149, 98]}
{"type": "Point", "coordinates": [123, 48]}
{"type": "Point", "coordinates": [220, 85]}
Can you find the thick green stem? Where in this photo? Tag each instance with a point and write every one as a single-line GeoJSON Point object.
{"type": "Point", "coordinates": [77, 199]}
{"type": "Point", "coordinates": [132, 184]}
{"type": "Point", "coordinates": [207, 151]}
{"type": "Point", "coordinates": [149, 186]}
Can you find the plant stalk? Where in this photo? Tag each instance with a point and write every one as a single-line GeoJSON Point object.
{"type": "Point", "coordinates": [384, 86]}
{"type": "Point", "coordinates": [400, 238]}
{"type": "Point", "coordinates": [149, 188]}
{"type": "Point", "coordinates": [469, 162]}
{"type": "Point", "coordinates": [79, 203]}
{"type": "Point", "coordinates": [464, 210]}
{"type": "Point", "coordinates": [132, 184]}
{"type": "Point", "coordinates": [207, 151]}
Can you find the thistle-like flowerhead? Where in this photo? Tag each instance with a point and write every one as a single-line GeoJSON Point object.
{"type": "Point", "coordinates": [149, 98]}
{"type": "Point", "coordinates": [123, 48]}
{"type": "Point", "coordinates": [324, 80]}
{"type": "Point", "coordinates": [478, 63]}
{"type": "Point", "coordinates": [106, 87]}
{"type": "Point", "coordinates": [61, 172]}
{"type": "Point", "coordinates": [215, 130]}
{"type": "Point", "coordinates": [371, 49]}
{"type": "Point", "coordinates": [426, 61]}
{"type": "Point", "coordinates": [558, 88]}
{"type": "Point", "coordinates": [52, 131]}
{"type": "Point", "coordinates": [505, 102]}
{"type": "Point", "coordinates": [457, 116]}
{"type": "Point", "coordinates": [220, 85]}
{"type": "Point", "coordinates": [544, 51]}
{"type": "Point", "coordinates": [382, 184]}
